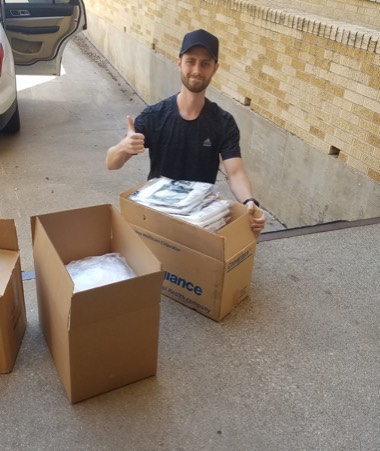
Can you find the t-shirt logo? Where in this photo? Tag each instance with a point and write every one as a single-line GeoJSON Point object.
{"type": "Point", "coordinates": [207, 142]}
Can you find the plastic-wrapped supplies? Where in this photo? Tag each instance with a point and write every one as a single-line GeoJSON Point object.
{"type": "Point", "coordinates": [92, 272]}
{"type": "Point", "coordinates": [203, 216]}
{"type": "Point", "coordinates": [194, 202]}
{"type": "Point", "coordinates": [173, 196]}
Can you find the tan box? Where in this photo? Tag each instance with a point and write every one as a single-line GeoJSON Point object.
{"type": "Point", "coordinates": [209, 272]}
{"type": "Point", "coordinates": [12, 305]}
{"type": "Point", "coordinates": [105, 337]}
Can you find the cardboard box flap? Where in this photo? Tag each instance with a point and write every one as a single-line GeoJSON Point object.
{"type": "Point", "coordinates": [8, 260]}
{"type": "Point", "coordinates": [97, 230]}
{"type": "Point", "coordinates": [168, 226]}
{"type": "Point", "coordinates": [8, 235]}
{"type": "Point", "coordinates": [60, 284]}
{"type": "Point", "coordinates": [12, 307]}
{"type": "Point", "coordinates": [212, 244]}
{"type": "Point", "coordinates": [238, 232]}
{"type": "Point", "coordinates": [79, 233]}
{"type": "Point", "coordinates": [89, 306]}
{"type": "Point", "coordinates": [123, 240]}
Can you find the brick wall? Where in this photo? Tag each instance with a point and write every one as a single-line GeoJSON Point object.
{"type": "Point", "coordinates": [363, 12]}
{"type": "Point", "coordinates": [316, 77]}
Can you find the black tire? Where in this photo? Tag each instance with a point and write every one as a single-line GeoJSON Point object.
{"type": "Point", "coordinates": [13, 125]}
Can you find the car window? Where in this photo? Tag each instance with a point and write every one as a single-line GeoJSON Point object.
{"type": "Point", "coordinates": [38, 31]}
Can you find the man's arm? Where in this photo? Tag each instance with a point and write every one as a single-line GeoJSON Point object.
{"type": "Point", "coordinates": [241, 189]}
{"type": "Point", "coordinates": [132, 144]}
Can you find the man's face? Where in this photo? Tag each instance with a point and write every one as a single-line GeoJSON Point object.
{"type": "Point", "coordinates": [197, 68]}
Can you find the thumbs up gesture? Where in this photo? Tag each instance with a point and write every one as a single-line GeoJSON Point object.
{"type": "Point", "coordinates": [131, 124]}
{"type": "Point", "coordinates": [133, 143]}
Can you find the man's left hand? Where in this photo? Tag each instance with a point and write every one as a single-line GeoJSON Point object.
{"type": "Point", "coordinates": [256, 217]}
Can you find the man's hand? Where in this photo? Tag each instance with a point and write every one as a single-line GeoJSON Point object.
{"type": "Point", "coordinates": [256, 217]}
{"type": "Point", "coordinates": [131, 144]}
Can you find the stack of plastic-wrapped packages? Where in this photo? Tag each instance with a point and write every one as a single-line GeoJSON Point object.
{"type": "Point", "coordinates": [195, 202]}
{"type": "Point", "coordinates": [95, 271]}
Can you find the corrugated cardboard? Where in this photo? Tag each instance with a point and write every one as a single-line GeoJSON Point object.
{"type": "Point", "coordinates": [209, 272]}
{"type": "Point", "coordinates": [106, 337]}
{"type": "Point", "coordinates": [12, 306]}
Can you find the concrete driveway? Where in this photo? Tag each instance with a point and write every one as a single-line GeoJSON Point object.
{"type": "Point", "coordinates": [57, 162]}
{"type": "Point", "coordinates": [296, 367]}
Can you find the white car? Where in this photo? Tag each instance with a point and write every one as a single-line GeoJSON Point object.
{"type": "Point", "coordinates": [33, 35]}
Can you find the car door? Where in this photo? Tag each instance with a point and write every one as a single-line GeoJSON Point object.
{"type": "Point", "coordinates": [38, 31]}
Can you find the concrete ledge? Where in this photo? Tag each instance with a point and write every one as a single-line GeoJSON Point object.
{"type": "Point", "coordinates": [320, 228]}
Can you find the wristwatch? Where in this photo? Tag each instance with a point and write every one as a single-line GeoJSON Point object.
{"type": "Point", "coordinates": [252, 199]}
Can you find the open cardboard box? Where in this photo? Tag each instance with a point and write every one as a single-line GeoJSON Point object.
{"type": "Point", "coordinates": [209, 272]}
{"type": "Point", "coordinates": [106, 337]}
{"type": "Point", "coordinates": [12, 306]}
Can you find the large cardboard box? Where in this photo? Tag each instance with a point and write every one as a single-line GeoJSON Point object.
{"type": "Point", "coordinates": [12, 306]}
{"type": "Point", "coordinates": [209, 272]}
{"type": "Point", "coordinates": [105, 337]}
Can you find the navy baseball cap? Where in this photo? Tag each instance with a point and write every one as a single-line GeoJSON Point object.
{"type": "Point", "coordinates": [202, 38]}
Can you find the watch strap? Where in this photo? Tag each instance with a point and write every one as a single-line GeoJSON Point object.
{"type": "Point", "coordinates": [252, 199]}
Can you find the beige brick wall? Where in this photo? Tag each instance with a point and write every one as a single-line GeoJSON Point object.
{"type": "Point", "coordinates": [317, 78]}
{"type": "Point", "coordinates": [364, 12]}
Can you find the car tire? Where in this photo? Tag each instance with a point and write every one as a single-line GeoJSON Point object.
{"type": "Point", "coordinates": [13, 126]}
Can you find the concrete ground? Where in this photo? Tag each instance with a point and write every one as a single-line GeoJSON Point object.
{"type": "Point", "coordinates": [295, 367]}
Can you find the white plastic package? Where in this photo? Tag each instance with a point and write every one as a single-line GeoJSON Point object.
{"type": "Point", "coordinates": [195, 202]}
{"type": "Point", "coordinates": [217, 225]}
{"type": "Point", "coordinates": [96, 271]}
{"type": "Point", "coordinates": [208, 214]}
{"type": "Point", "coordinates": [175, 194]}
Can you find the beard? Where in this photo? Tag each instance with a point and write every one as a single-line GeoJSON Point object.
{"type": "Point", "coordinates": [195, 85]}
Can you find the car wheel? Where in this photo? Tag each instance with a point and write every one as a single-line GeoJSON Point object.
{"type": "Point", "coordinates": [13, 126]}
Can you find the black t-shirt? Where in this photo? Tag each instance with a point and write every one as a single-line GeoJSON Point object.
{"type": "Point", "coordinates": [187, 150]}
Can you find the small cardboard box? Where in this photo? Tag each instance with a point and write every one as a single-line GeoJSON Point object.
{"type": "Point", "coordinates": [12, 306]}
{"type": "Point", "coordinates": [209, 272]}
{"type": "Point", "coordinates": [105, 337]}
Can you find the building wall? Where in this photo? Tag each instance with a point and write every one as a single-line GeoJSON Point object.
{"type": "Point", "coordinates": [307, 86]}
{"type": "Point", "coordinates": [363, 12]}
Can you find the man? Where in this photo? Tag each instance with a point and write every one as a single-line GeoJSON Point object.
{"type": "Point", "coordinates": [186, 134]}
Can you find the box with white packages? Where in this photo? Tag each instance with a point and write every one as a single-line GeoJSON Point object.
{"type": "Point", "coordinates": [208, 270]}
{"type": "Point", "coordinates": [100, 320]}
{"type": "Point", "coordinates": [194, 202]}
